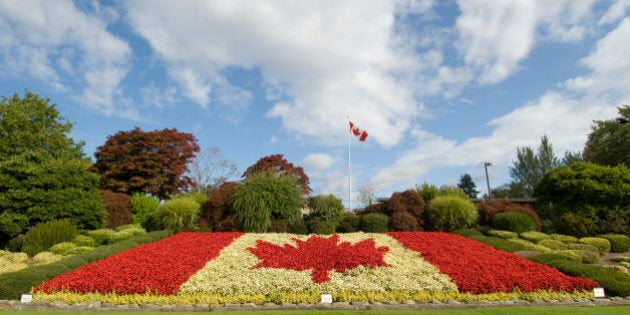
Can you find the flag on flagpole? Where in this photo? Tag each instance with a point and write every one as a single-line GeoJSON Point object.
{"type": "Point", "coordinates": [358, 132]}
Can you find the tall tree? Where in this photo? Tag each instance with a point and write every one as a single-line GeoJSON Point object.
{"type": "Point", "coordinates": [210, 169]}
{"type": "Point", "coordinates": [468, 186]}
{"type": "Point", "coordinates": [529, 167]}
{"type": "Point", "coordinates": [43, 173]}
{"type": "Point", "coordinates": [153, 162]}
{"type": "Point", "coordinates": [278, 165]}
{"type": "Point", "coordinates": [609, 141]}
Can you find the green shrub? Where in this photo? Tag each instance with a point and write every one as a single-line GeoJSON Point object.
{"type": "Point", "coordinates": [46, 258]}
{"type": "Point", "coordinates": [534, 236]}
{"type": "Point", "coordinates": [531, 246]}
{"type": "Point", "coordinates": [176, 215]}
{"type": "Point", "coordinates": [297, 227]}
{"type": "Point", "coordinates": [350, 223]}
{"type": "Point", "coordinates": [618, 243]}
{"type": "Point", "coordinates": [588, 257]}
{"type": "Point", "coordinates": [513, 221]}
{"type": "Point", "coordinates": [467, 232]}
{"type": "Point", "coordinates": [450, 213]}
{"type": "Point", "coordinates": [100, 235]}
{"type": "Point", "coordinates": [62, 248]}
{"type": "Point", "coordinates": [326, 208]}
{"type": "Point", "coordinates": [200, 197]}
{"type": "Point", "coordinates": [15, 244]}
{"type": "Point", "coordinates": [502, 234]}
{"type": "Point", "coordinates": [567, 239]}
{"type": "Point", "coordinates": [615, 283]}
{"type": "Point", "coordinates": [120, 236]}
{"type": "Point", "coordinates": [551, 257]}
{"type": "Point", "coordinates": [584, 247]}
{"type": "Point", "coordinates": [576, 224]}
{"type": "Point", "coordinates": [135, 227]}
{"type": "Point", "coordinates": [80, 250]}
{"type": "Point", "coordinates": [84, 240]}
{"type": "Point", "coordinates": [572, 255]}
{"type": "Point", "coordinates": [15, 257]}
{"type": "Point", "coordinates": [602, 244]}
{"type": "Point", "coordinates": [553, 244]}
{"type": "Point", "coordinates": [499, 243]}
{"type": "Point", "coordinates": [325, 228]}
{"type": "Point", "coordinates": [46, 234]}
{"type": "Point", "coordinates": [488, 209]}
{"type": "Point", "coordinates": [143, 206]}
{"type": "Point", "coordinates": [374, 223]}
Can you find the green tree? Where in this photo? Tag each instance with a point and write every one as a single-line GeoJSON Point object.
{"type": "Point", "coordinates": [153, 162]}
{"type": "Point", "coordinates": [468, 186]}
{"type": "Point", "coordinates": [609, 141]}
{"type": "Point", "coordinates": [263, 197]}
{"type": "Point", "coordinates": [529, 167]}
{"type": "Point", "coordinates": [278, 165]}
{"type": "Point", "coordinates": [325, 210]}
{"type": "Point", "coordinates": [43, 173]}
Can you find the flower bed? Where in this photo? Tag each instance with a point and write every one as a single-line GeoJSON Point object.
{"type": "Point", "coordinates": [261, 268]}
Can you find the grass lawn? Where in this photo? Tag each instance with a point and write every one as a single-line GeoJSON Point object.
{"type": "Point", "coordinates": [535, 310]}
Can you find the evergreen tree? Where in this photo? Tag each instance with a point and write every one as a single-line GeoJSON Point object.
{"type": "Point", "coordinates": [468, 186]}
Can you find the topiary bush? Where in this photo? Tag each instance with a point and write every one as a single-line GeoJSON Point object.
{"type": "Point", "coordinates": [572, 255]}
{"type": "Point", "coordinates": [450, 213]}
{"type": "Point", "coordinates": [530, 246]}
{"type": "Point", "coordinates": [553, 244]}
{"type": "Point", "coordinates": [502, 234]}
{"type": "Point", "coordinates": [62, 248]}
{"type": "Point", "coordinates": [84, 240]}
{"type": "Point", "coordinates": [584, 247]}
{"type": "Point", "coordinates": [602, 244]}
{"type": "Point", "coordinates": [576, 224]}
{"type": "Point", "coordinates": [118, 207]}
{"type": "Point", "coordinates": [176, 215]}
{"type": "Point", "coordinates": [142, 207]}
{"type": "Point", "coordinates": [488, 209]}
{"type": "Point", "coordinates": [567, 239]}
{"type": "Point", "coordinates": [618, 243]}
{"type": "Point", "coordinates": [350, 223]}
{"type": "Point", "coordinates": [534, 236]}
{"type": "Point", "coordinates": [46, 234]}
{"type": "Point", "coordinates": [100, 236]}
{"type": "Point", "coordinates": [513, 221]}
{"type": "Point", "coordinates": [374, 223]}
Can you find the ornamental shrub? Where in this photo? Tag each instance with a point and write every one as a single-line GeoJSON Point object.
{"type": "Point", "coordinates": [572, 255]}
{"type": "Point", "coordinates": [567, 239]}
{"type": "Point", "coordinates": [534, 236]}
{"type": "Point", "coordinates": [502, 234]}
{"type": "Point", "coordinates": [408, 202]}
{"type": "Point", "coordinates": [374, 223]}
{"type": "Point", "coordinates": [326, 208]}
{"type": "Point", "coordinates": [553, 244]}
{"type": "Point", "coordinates": [513, 221]}
{"type": "Point", "coordinates": [100, 235]}
{"type": "Point", "coordinates": [297, 227]}
{"type": "Point", "coordinates": [450, 213]}
{"type": "Point", "coordinates": [584, 247]}
{"type": "Point", "coordinates": [325, 228]}
{"type": "Point", "coordinates": [350, 223]}
{"type": "Point", "coordinates": [468, 232]}
{"type": "Point", "coordinates": [143, 206]}
{"type": "Point", "coordinates": [118, 207]}
{"type": "Point", "coordinates": [488, 209]}
{"type": "Point", "coordinates": [618, 243]}
{"type": "Point", "coordinates": [403, 221]}
{"type": "Point", "coordinates": [530, 246]}
{"type": "Point", "coordinates": [576, 224]}
{"type": "Point", "coordinates": [84, 240]}
{"type": "Point", "coordinates": [46, 258]}
{"type": "Point", "coordinates": [602, 244]}
{"type": "Point", "coordinates": [217, 213]}
{"type": "Point", "coordinates": [62, 248]}
{"type": "Point", "coordinates": [46, 234]}
{"type": "Point", "coordinates": [176, 215]}
{"type": "Point", "coordinates": [499, 243]}
{"type": "Point", "coordinates": [80, 250]}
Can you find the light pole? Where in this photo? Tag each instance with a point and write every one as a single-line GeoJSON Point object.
{"type": "Point", "coordinates": [485, 165]}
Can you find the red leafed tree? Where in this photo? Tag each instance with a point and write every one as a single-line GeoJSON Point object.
{"type": "Point", "coordinates": [148, 162]}
{"type": "Point", "coordinates": [277, 164]}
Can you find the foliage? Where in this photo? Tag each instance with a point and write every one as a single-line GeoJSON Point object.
{"type": "Point", "coordinates": [534, 236]}
{"type": "Point", "coordinates": [583, 247]}
{"type": "Point", "coordinates": [350, 223]}
{"type": "Point", "coordinates": [602, 244]}
{"type": "Point", "coordinates": [609, 140]}
{"type": "Point", "coordinates": [62, 248]}
{"type": "Point", "coordinates": [618, 243]}
{"type": "Point", "coordinates": [513, 221]}
{"type": "Point", "coordinates": [403, 221]}
{"type": "Point", "coordinates": [553, 244]}
{"type": "Point", "coordinates": [586, 188]}
{"type": "Point", "coordinates": [264, 196]}
{"type": "Point", "coordinates": [217, 213]}
{"type": "Point", "coordinates": [146, 162]}
{"type": "Point", "coordinates": [177, 215]}
{"type": "Point", "coordinates": [450, 213]}
{"type": "Point", "coordinates": [576, 224]}
{"type": "Point", "coordinates": [502, 234]}
{"type": "Point", "coordinates": [209, 170]}
{"type": "Point", "coordinates": [198, 196]}
{"type": "Point", "coordinates": [468, 232]}
{"type": "Point", "coordinates": [143, 206]}
{"type": "Point", "coordinates": [118, 207]}
{"type": "Point", "coordinates": [567, 239]}
{"type": "Point", "coordinates": [374, 223]}
{"type": "Point", "coordinates": [488, 209]}
{"type": "Point", "coordinates": [326, 208]}
{"type": "Point", "coordinates": [405, 205]}
{"type": "Point", "coordinates": [467, 185]}
{"type": "Point", "coordinates": [616, 221]}
{"type": "Point", "coordinates": [46, 234]}
{"type": "Point", "coordinates": [84, 240]}
{"type": "Point", "coordinates": [278, 165]}
{"type": "Point", "coordinates": [616, 283]}
{"type": "Point", "coordinates": [529, 167]}
{"type": "Point", "coordinates": [100, 236]}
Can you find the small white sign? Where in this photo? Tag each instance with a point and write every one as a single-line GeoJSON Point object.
{"type": "Point", "coordinates": [327, 298]}
{"type": "Point", "coordinates": [26, 298]}
{"type": "Point", "coordinates": [599, 292]}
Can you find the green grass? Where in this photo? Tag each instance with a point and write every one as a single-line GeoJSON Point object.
{"type": "Point", "coordinates": [527, 310]}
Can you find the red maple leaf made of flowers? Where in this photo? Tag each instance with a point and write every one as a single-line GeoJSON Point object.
{"type": "Point", "coordinates": [320, 254]}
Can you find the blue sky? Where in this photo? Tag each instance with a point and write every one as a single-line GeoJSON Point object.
{"type": "Point", "coordinates": [440, 86]}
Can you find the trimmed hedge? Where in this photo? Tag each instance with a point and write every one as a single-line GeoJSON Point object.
{"type": "Point", "coordinates": [14, 284]}
{"type": "Point", "coordinates": [567, 239]}
{"type": "Point", "coordinates": [502, 234]}
{"type": "Point", "coordinates": [602, 244]}
{"type": "Point", "coordinates": [618, 243]}
{"type": "Point", "coordinates": [553, 244]}
{"type": "Point", "coordinates": [534, 236]}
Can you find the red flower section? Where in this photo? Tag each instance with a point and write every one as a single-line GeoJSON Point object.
{"type": "Point", "coordinates": [479, 268]}
{"type": "Point", "coordinates": [319, 254]}
{"type": "Point", "coordinates": [157, 267]}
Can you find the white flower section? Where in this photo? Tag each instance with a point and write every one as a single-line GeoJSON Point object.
{"type": "Point", "coordinates": [232, 272]}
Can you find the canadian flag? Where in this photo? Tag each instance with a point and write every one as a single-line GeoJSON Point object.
{"type": "Point", "coordinates": [358, 132]}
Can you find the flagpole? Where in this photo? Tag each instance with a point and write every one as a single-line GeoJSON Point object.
{"type": "Point", "coordinates": [349, 169]}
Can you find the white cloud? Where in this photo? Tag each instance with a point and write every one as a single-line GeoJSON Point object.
{"type": "Point", "coordinates": [317, 161]}
{"type": "Point", "coordinates": [615, 12]}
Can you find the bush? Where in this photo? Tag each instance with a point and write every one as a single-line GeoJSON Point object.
{"type": "Point", "coordinates": [468, 232]}
{"type": "Point", "coordinates": [403, 221]}
{"type": "Point", "coordinates": [325, 228]}
{"type": "Point", "coordinates": [576, 224]}
{"type": "Point", "coordinates": [46, 234]}
{"type": "Point", "coordinates": [553, 244]}
{"type": "Point", "coordinates": [350, 223]}
{"type": "Point", "coordinates": [15, 244]}
{"type": "Point", "coordinates": [374, 223]}
{"type": "Point", "coordinates": [62, 248]}
{"type": "Point", "coordinates": [217, 213]}
{"type": "Point", "coordinates": [618, 243]}
{"type": "Point", "coordinates": [499, 243]}
{"type": "Point", "coordinates": [584, 247]}
{"type": "Point", "coordinates": [297, 227]}
{"type": "Point", "coordinates": [100, 236]}
{"type": "Point", "coordinates": [143, 206]}
{"type": "Point", "coordinates": [406, 211]}
{"type": "Point", "coordinates": [118, 207]}
{"type": "Point", "coordinates": [488, 209]}
{"type": "Point", "coordinates": [572, 255]}
{"type": "Point", "coordinates": [602, 244]}
{"type": "Point", "coordinates": [84, 240]}
{"type": "Point", "coordinates": [513, 221]}
{"type": "Point", "coordinates": [278, 226]}
{"type": "Point", "coordinates": [567, 239]}
{"type": "Point", "coordinates": [80, 250]}
{"type": "Point", "coordinates": [326, 208]}
{"type": "Point", "coordinates": [530, 246]}
{"type": "Point", "coordinates": [46, 258]}
{"type": "Point", "coordinates": [614, 221]}
{"type": "Point", "coordinates": [588, 257]}
{"type": "Point", "coordinates": [451, 213]}
{"type": "Point", "coordinates": [176, 215]}
{"type": "Point", "coordinates": [534, 236]}
{"type": "Point", "coordinates": [502, 234]}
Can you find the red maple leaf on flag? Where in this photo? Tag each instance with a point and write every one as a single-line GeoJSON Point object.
{"type": "Point", "coordinates": [320, 254]}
